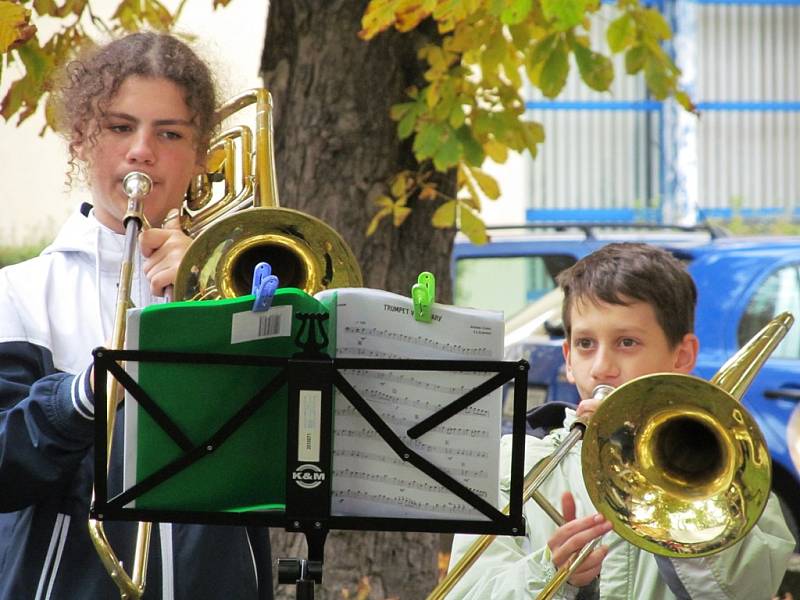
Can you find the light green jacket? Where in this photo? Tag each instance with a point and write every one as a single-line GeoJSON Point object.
{"type": "Point", "coordinates": [518, 567]}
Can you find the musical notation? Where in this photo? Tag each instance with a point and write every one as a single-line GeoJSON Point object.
{"type": "Point", "coordinates": [368, 476]}
{"type": "Point", "coordinates": [383, 334]}
{"type": "Point", "coordinates": [418, 508]}
{"type": "Point", "coordinates": [397, 463]}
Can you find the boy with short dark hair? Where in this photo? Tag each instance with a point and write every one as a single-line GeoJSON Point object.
{"type": "Point", "coordinates": [628, 311]}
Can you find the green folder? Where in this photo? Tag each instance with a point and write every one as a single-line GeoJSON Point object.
{"type": "Point", "coordinates": [247, 471]}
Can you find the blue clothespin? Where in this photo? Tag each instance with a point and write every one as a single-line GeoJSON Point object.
{"type": "Point", "coordinates": [423, 294]}
{"type": "Point", "coordinates": [264, 286]}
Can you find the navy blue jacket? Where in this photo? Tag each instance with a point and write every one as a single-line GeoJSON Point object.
{"type": "Point", "coordinates": [53, 310]}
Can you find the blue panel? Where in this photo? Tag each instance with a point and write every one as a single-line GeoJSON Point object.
{"type": "Point", "coordinates": [633, 105]}
{"type": "Point", "coordinates": [747, 213]}
{"type": "Point", "coordinates": [749, 2]}
{"type": "Point", "coordinates": [750, 106]}
{"type": "Point", "coordinates": [594, 215]}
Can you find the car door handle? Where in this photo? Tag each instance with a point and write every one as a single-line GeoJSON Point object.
{"type": "Point", "coordinates": [786, 394]}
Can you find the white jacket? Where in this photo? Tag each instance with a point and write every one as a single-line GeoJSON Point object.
{"type": "Point", "coordinates": [519, 567]}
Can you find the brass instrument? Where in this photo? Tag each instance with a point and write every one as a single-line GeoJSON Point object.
{"type": "Point", "coordinates": [303, 251]}
{"type": "Point", "coordinates": [675, 463]}
{"type": "Point", "coordinates": [137, 186]}
{"type": "Point", "coordinates": [232, 235]}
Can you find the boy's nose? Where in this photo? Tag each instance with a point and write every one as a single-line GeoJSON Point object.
{"type": "Point", "coordinates": [604, 366]}
{"type": "Point", "coordinates": [142, 148]}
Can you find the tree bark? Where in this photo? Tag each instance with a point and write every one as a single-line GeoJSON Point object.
{"type": "Point", "coordinates": [336, 150]}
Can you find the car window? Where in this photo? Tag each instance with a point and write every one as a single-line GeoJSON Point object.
{"type": "Point", "coordinates": [506, 283]}
{"type": "Point", "coordinates": [778, 293]}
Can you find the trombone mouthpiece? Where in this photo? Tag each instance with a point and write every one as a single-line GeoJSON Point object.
{"type": "Point", "coordinates": [601, 391]}
{"type": "Point", "coordinates": [137, 184]}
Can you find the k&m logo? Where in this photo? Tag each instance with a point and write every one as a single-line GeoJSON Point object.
{"type": "Point", "coordinates": [308, 476]}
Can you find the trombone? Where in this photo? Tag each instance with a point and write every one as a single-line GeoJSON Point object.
{"type": "Point", "coordinates": [136, 186]}
{"type": "Point", "coordinates": [675, 463]}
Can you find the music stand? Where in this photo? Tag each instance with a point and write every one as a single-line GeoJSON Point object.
{"type": "Point", "coordinates": [309, 374]}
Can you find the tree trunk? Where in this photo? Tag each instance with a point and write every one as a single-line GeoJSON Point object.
{"type": "Point", "coordinates": [336, 149]}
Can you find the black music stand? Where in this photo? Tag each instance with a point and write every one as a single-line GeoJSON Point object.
{"type": "Point", "coordinates": [308, 507]}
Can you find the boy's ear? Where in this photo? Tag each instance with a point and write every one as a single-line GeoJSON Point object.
{"type": "Point", "coordinates": [565, 351]}
{"type": "Point", "coordinates": [686, 353]}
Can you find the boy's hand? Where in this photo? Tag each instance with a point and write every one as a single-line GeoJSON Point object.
{"type": "Point", "coordinates": [587, 407]}
{"type": "Point", "coordinates": [163, 250]}
{"type": "Point", "coordinates": [574, 535]}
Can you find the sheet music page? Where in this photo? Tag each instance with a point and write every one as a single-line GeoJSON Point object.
{"type": "Point", "coordinates": [369, 479]}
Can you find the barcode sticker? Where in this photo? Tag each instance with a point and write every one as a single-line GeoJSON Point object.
{"type": "Point", "coordinates": [249, 325]}
{"type": "Point", "coordinates": [309, 427]}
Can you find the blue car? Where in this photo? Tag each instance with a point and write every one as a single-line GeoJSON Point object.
{"type": "Point", "coordinates": [742, 283]}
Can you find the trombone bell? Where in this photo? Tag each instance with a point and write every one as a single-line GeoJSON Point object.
{"type": "Point", "coordinates": [303, 252]}
{"type": "Point", "coordinates": [677, 465]}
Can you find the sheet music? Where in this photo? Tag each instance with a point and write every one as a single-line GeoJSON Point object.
{"type": "Point", "coordinates": [369, 479]}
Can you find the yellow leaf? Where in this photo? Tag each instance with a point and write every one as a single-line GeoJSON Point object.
{"type": "Point", "coordinates": [473, 226]}
{"type": "Point", "coordinates": [472, 200]}
{"type": "Point", "coordinates": [379, 16]}
{"type": "Point", "coordinates": [15, 27]}
{"type": "Point", "coordinates": [399, 186]}
{"type": "Point", "coordinates": [487, 183]}
{"type": "Point", "coordinates": [495, 150]}
{"type": "Point", "coordinates": [400, 214]}
{"type": "Point", "coordinates": [445, 215]}
{"type": "Point", "coordinates": [373, 224]}
{"type": "Point", "coordinates": [385, 202]}
{"type": "Point", "coordinates": [409, 17]}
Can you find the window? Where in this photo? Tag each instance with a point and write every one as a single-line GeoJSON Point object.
{"type": "Point", "coordinates": [780, 292]}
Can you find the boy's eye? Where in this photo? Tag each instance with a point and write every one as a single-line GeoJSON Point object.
{"type": "Point", "coordinates": [119, 128]}
{"type": "Point", "coordinates": [627, 342]}
{"type": "Point", "coordinates": [584, 343]}
{"type": "Point", "coordinates": [171, 135]}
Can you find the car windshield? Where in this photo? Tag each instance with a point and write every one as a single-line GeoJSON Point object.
{"type": "Point", "coordinates": [506, 283]}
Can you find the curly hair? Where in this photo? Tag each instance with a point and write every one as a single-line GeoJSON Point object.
{"type": "Point", "coordinates": [623, 272]}
{"type": "Point", "coordinates": [86, 86]}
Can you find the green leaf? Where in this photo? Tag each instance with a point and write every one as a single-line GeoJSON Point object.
{"type": "Point", "coordinates": [634, 59]}
{"type": "Point", "coordinates": [621, 33]}
{"type": "Point", "coordinates": [658, 79]}
{"type": "Point", "coordinates": [428, 139]}
{"type": "Point", "coordinates": [494, 52]}
{"type": "Point", "coordinates": [457, 116]}
{"type": "Point", "coordinates": [448, 154]}
{"type": "Point", "coordinates": [515, 11]}
{"type": "Point", "coordinates": [37, 64]}
{"type": "Point", "coordinates": [406, 125]}
{"type": "Point", "coordinates": [543, 49]}
{"type": "Point", "coordinates": [596, 70]}
{"type": "Point", "coordinates": [533, 133]}
{"type": "Point", "coordinates": [554, 72]}
{"type": "Point", "coordinates": [566, 13]}
{"type": "Point", "coordinates": [473, 151]}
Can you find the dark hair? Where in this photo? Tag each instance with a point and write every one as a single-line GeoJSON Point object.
{"type": "Point", "coordinates": [86, 85]}
{"type": "Point", "coordinates": [621, 272]}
